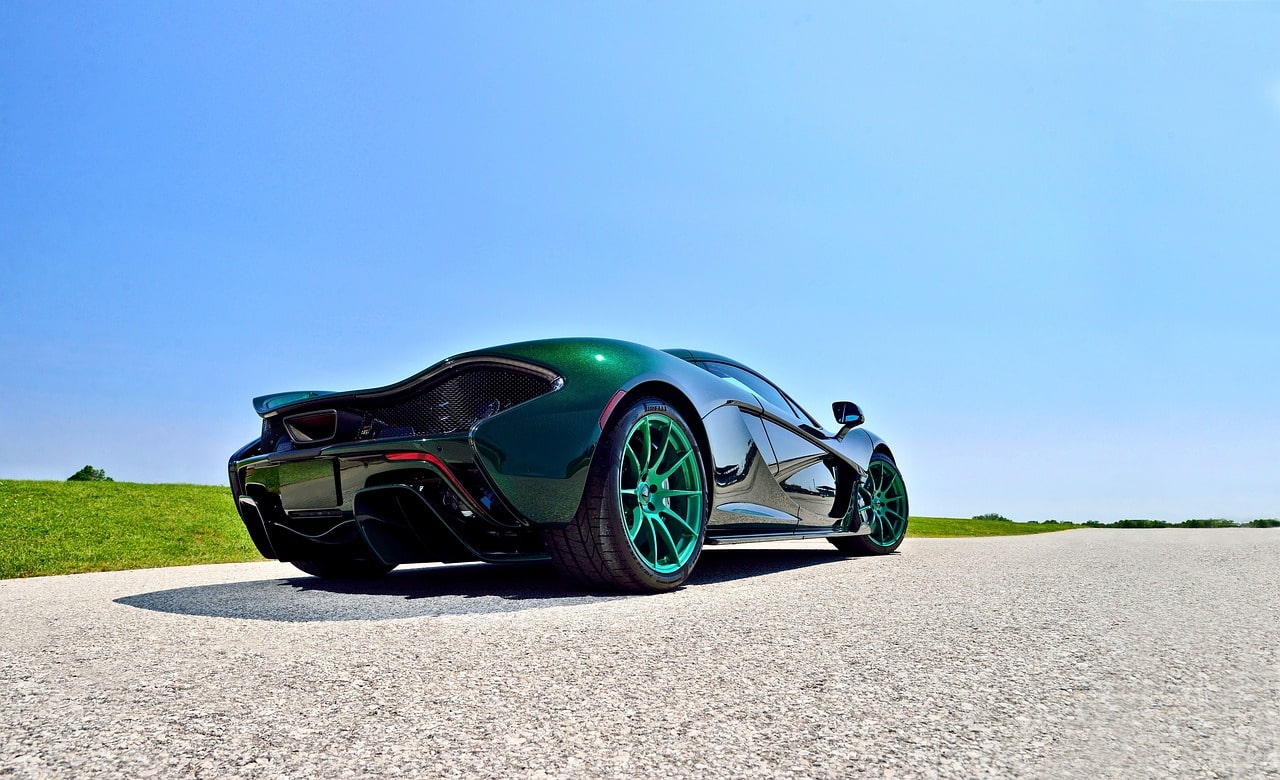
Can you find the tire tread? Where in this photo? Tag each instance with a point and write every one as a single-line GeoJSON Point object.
{"type": "Point", "coordinates": [589, 550]}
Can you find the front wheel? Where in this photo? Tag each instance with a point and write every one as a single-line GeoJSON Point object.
{"type": "Point", "coordinates": [644, 513]}
{"type": "Point", "coordinates": [882, 504]}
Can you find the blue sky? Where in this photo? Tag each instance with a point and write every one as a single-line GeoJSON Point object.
{"type": "Point", "coordinates": [1037, 243]}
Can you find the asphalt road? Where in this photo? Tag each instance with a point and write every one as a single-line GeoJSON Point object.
{"type": "Point", "coordinates": [1096, 653]}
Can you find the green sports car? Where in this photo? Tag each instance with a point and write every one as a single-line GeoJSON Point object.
{"type": "Point", "coordinates": [615, 460]}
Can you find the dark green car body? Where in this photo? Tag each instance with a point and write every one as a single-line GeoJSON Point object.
{"type": "Point", "coordinates": [477, 456]}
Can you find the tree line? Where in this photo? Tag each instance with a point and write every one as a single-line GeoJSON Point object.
{"type": "Point", "coordinates": [1210, 522]}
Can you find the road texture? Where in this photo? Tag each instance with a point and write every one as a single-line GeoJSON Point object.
{"type": "Point", "coordinates": [1093, 653]}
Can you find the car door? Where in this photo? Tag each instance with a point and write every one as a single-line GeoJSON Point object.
{"type": "Point", "coordinates": [806, 472]}
{"type": "Point", "coordinates": [748, 500]}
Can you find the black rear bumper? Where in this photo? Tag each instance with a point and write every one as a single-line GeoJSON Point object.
{"type": "Point", "coordinates": [423, 500]}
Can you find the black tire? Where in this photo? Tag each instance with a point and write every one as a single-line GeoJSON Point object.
{"type": "Point", "coordinates": [596, 548]}
{"type": "Point", "coordinates": [345, 570]}
{"type": "Point", "coordinates": [883, 503]}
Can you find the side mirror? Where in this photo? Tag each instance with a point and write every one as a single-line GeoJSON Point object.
{"type": "Point", "coordinates": [848, 414]}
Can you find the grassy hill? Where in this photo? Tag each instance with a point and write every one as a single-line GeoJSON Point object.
{"type": "Point", "coordinates": [68, 527]}
{"type": "Point", "coordinates": [925, 527]}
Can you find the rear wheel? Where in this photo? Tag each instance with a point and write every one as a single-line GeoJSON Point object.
{"type": "Point", "coordinates": [644, 513]}
{"type": "Point", "coordinates": [344, 570]}
{"type": "Point", "coordinates": [882, 504]}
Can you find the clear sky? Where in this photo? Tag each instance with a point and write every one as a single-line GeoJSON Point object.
{"type": "Point", "coordinates": [1036, 242]}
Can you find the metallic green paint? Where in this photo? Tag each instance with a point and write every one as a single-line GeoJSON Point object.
{"type": "Point", "coordinates": [661, 494]}
{"type": "Point", "coordinates": [267, 403]}
{"type": "Point", "coordinates": [537, 454]}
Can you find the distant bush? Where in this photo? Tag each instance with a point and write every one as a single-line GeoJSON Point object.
{"type": "Point", "coordinates": [90, 474]}
{"type": "Point", "coordinates": [1263, 522]}
{"type": "Point", "coordinates": [1212, 522]}
{"type": "Point", "coordinates": [1141, 524]}
{"type": "Point", "coordinates": [993, 516]}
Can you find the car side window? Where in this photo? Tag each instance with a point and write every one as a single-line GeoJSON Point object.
{"type": "Point", "coordinates": [755, 384]}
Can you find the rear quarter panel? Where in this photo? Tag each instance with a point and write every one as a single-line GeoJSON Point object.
{"type": "Point", "coordinates": [538, 454]}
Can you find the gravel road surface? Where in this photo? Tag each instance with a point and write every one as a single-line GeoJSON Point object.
{"type": "Point", "coordinates": [1093, 653]}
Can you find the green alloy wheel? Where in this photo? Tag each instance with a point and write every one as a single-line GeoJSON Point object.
{"type": "Point", "coordinates": [882, 502]}
{"type": "Point", "coordinates": [644, 514]}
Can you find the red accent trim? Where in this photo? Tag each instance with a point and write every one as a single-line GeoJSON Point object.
{"type": "Point", "coordinates": [439, 464]}
{"type": "Point", "coordinates": [432, 459]}
{"type": "Point", "coordinates": [608, 408]}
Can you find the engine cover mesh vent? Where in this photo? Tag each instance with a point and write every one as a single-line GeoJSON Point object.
{"type": "Point", "coordinates": [451, 404]}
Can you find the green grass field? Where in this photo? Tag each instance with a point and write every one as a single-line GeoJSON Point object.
{"type": "Point", "coordinates": [69, 527]}
{"type": "Point", "coordinates": [936, 527]}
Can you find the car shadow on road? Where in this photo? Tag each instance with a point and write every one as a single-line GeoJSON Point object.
{"type": "Point", "coordinates": [460, 589]}
{"type": "Point", "coordinates": [728, 563]}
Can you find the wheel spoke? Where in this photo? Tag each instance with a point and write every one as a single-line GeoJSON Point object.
{"type": "Point", "coordinates": [653, 532]}
{"type": "Point", "coordinates": [637, 515]}
{"type": "Point", "coordinates": [642, 531]}
{"type": "Point", "coordinates": [648, 446]}
{"type": "Point", "coordinates": [666, 493]}
{"type": "Point", "coordinates": [665, 533]}
{"type": "Point", "coordinates": [666, 442]}
{"type": "Point", "coordinates": [635, 461]}
{"type": "Point", "coordinates": [664, 476]}
{"type": "Point", "coordinates": [684, 523]}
